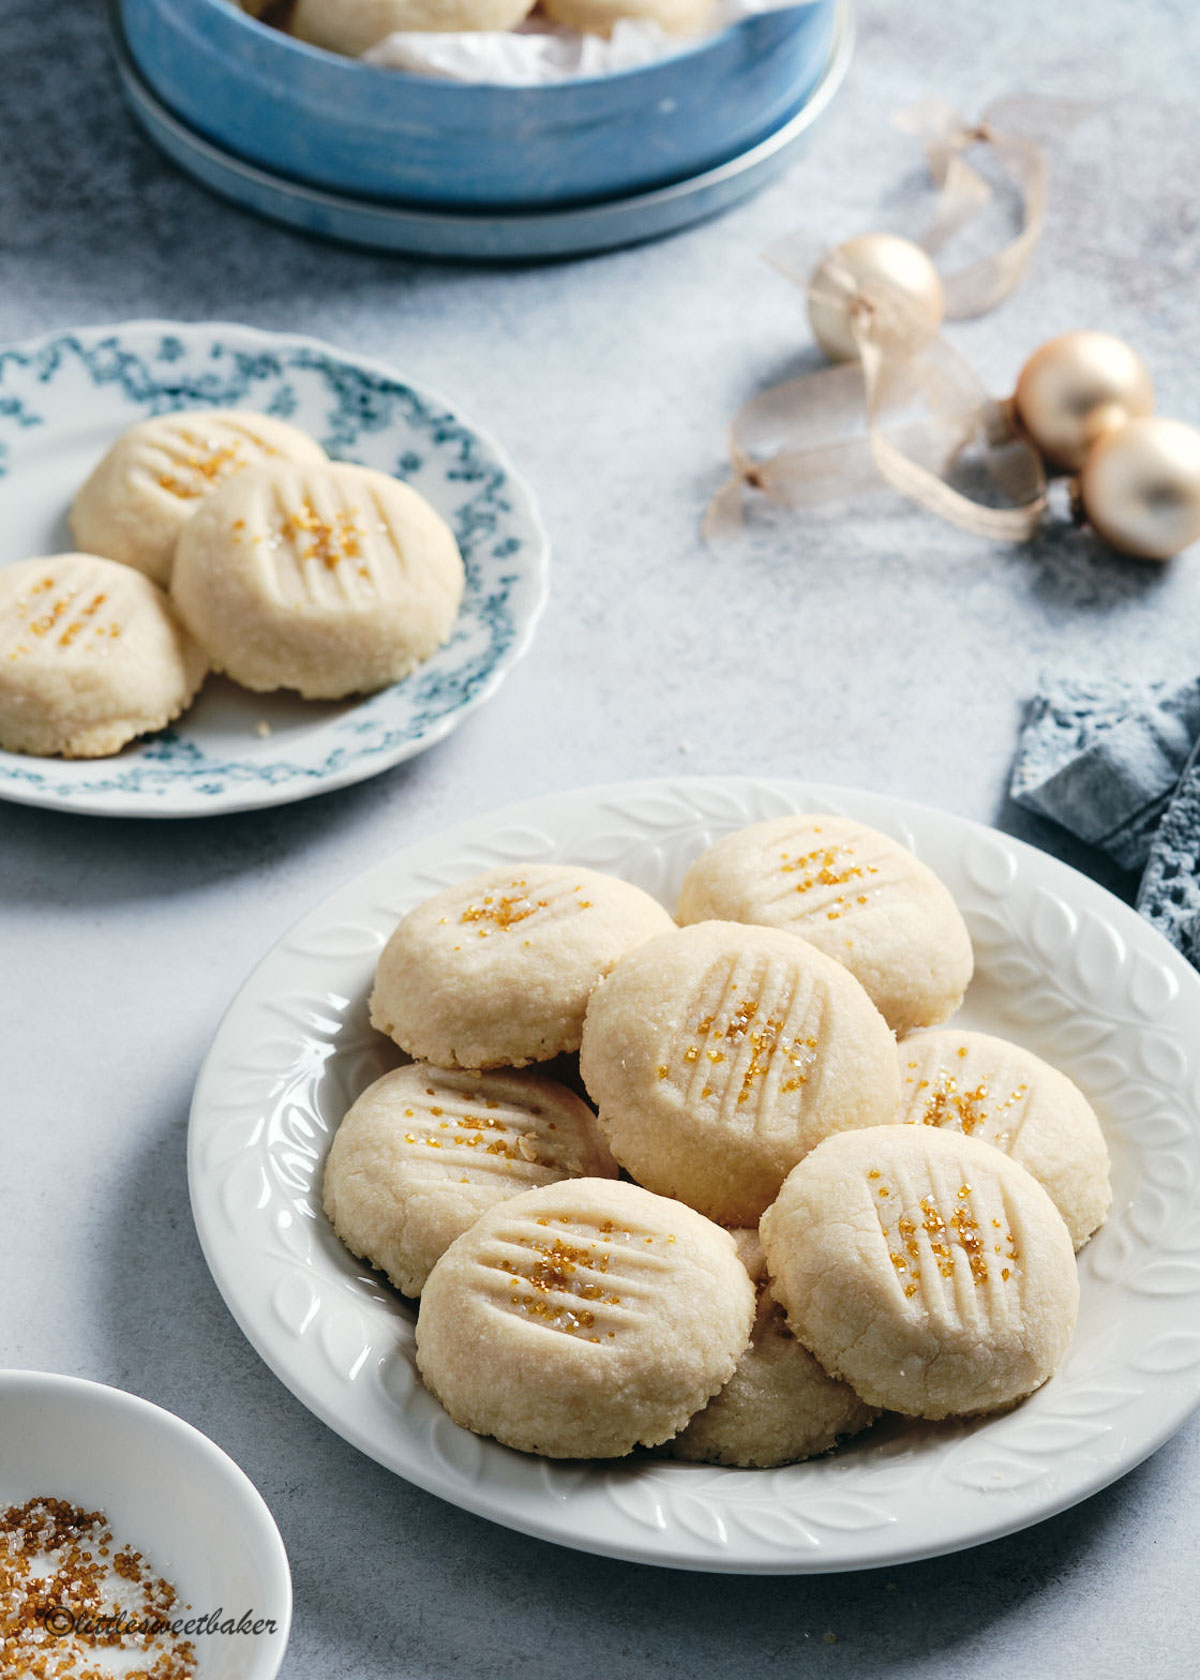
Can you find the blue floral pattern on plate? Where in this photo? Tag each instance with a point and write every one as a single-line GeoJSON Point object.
{"type": "Point", "coordinates": [66, 397]}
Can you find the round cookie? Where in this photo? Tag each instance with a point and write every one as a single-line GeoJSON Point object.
{"type": "Point", "coordinates": [329, 579]}
{"type": "Point", "coordinates": [353, 27]}
{"type": "Point", "coordinates": [583, 1319]}
{"type": "Point", "coordinates": [853, 893]}
{"type": "Point", "coordinates": [423, 1152]}
{"type": "Point", "coordinates": [718, 1055]}
{"type": "Point", "coordinates": [600, 17]}
{"type": "Point", "coordinates": [91, 655]}
{"type": "Point", "coordinates": [779, 1406]}
{"type": "Point", "coordinates": [989, 1089]}
{"type": "Point", "coordinates": [496, 972]}
{"type": "Point", "coordinates": [150, 483]}
{"type": "Point", "coordinates": [924, 1268]}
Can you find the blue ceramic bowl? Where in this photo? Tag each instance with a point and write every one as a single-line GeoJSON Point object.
{"type": "Point", "coordinates": [374, 133]}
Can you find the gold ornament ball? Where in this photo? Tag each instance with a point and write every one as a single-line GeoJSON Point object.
{"type": "Point", "coordinates": [1140, 488]}
{"type": "Point", "coordinates": [893, 278]}
{"type": "Point", "coordinates": [1077, 388]}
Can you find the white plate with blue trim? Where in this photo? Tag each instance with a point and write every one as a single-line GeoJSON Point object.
{"type": "Point", "coordinates": [1061, 967]}
{"type": "Point", "coordinates": [65, 398]}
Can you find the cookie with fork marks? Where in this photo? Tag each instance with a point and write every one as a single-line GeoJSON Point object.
{"type": "Point", "coordinates": [584, 1319]}
{"type": "Point", "coordinates": [140, 495]}
{"type": "Point", "coordinates": [424, 1151]}
{"type": "Point", "coordinates": [497, 970]}
{"type": "Point", "coordinates": [924, 1268]}
{"type": "Point", "coordinates": [855, 894]}
{"type": "Point", "coordinates": [718, 1055]}
{"type": "Point", "coordinates": [328, 579]}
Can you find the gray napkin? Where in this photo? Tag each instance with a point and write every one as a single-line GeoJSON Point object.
{"type": "Point", "coordinates": [1104, 757]}
{"type": "Point", "coordinates": [1169, 895]}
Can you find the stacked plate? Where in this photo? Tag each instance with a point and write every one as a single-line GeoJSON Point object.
{"type": "Point", "coordinates": [381, 158]}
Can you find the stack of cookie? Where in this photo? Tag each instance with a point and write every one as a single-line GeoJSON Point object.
{"type": "Point", "coordinates": [918, 1204]}
{"type": "Point", "coordinates": [224, 540]}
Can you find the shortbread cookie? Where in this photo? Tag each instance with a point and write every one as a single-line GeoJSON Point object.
{"type": "Point", "coordinates": [779, 1406]}
{"type": "Point", "coordinates": [328, 579]}
{"type": "Point", "coordinates": [989, 1089]}
{"type": "Point", "coordinates": [600, 17]}
{"type": "Point", "coordinates": [584, 1319]}
{"type": "Point", "coordinates": [423, 1152]}
{"type": "Point", "coordinates": [496, 972]}
{"type": "Point", "coordinates": [154, 477]}
{"type": "Point", "coordinates": [353, 27]}
{"type": "Point", "coordinates": [91, 655]}
{"type": "Point", "coordinates": [924, 1268]}
{"type": "Point", "coordinates": [719, 1054]}
{"type": "Point", "coordinates": [853, 893]}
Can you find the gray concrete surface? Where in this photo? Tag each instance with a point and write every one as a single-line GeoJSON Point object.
{"type": "Point", "coordinates": [869, 646]}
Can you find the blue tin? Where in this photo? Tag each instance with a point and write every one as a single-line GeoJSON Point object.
{"type": "Point", "coordinates": [354, 128]}
{"type": "Point", "coordinates": [487, 234]}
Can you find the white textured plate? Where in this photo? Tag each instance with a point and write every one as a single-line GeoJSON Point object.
{"type": "Point", "coordinates": [1062, 967]}
{"type": "Point", "coordinates": [65, 398]}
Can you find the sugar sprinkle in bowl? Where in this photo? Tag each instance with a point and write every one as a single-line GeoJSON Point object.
{"type": "Point", "coordinates": [167, 1492]}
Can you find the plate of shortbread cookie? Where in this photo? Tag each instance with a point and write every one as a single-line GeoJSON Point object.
{"type": "Point", "coordinates": [239, 568]}
{"type": "Point", "coordinates": [731, 1174]}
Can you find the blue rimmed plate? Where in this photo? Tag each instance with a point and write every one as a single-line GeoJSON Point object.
{"type": "Point", "coordinates": [66, 397]}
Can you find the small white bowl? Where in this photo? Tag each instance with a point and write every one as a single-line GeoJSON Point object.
{"type": "Point", "coordinates": [166, 1490]}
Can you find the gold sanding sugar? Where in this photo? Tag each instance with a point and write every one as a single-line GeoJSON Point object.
{"type": "Point", "coordinates": [76, 1605]}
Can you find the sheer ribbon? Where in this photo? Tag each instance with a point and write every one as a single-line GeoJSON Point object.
{"type": "Point", "coordinates": [1016, 131]}
{"type": "Point", "coordinates": [928, 417]}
